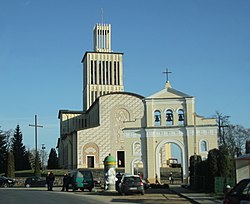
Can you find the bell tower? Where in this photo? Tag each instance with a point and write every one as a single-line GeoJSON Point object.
{"type": "Point", "coordinates": [102, 68]}
{"type": "Point", "coordinates": [102, 38]}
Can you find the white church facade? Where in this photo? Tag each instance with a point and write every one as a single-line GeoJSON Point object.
{"type": "Point", "coordinates": [132, 128]}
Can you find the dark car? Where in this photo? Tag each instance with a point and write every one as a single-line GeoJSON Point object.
{"type": "Point", "coordinates": [131, 184]}
{"type": "Point", "coordinates": [35, 182]}
{"type": "Point", "coordinates": [240, 193]}
{"type": "Point", "coordinates": [80, 179]}
{"type": "Point", "coordinates": [6, 182]}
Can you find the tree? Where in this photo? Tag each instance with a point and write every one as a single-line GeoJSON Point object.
{"type": "Point", "coordinates": [37, 171]}
{"type": "Point", "coordinates": [233, 136]}
{"type": "Point", "coordinates": [235, 139]}
{"type": "Point", "coordinates": [3, 152]}
{"type": "Point", "coordinates": [194, 160]}
{"type": "Point", "coordinates": [20, 155]}
{"type": "Point", "coordinates": [248, 147]}
{"type": "Point", "coordinates": [213, 157]}
{"type": "Point", "coordinates": [53, 159]}
{"type": "Point", "coordinates": [225, 163]}
{"type": "Point", "coordinates": [222, 122]}
{"type": "Point", "coordinates": [11, 165]}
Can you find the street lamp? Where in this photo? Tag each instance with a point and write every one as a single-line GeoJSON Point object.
{"type": "Point", "coordinates": [43, 149]}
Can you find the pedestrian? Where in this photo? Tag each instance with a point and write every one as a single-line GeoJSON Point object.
{"type": "Point", "coordinates": [156, 179]}
{"type": "Point", "coordinates": [171, 178]}
{"type": "Point", "coordinates": [65, 182]}
{"type": "Point", "coordinates": [119, 178]}
{"type": "Point", "coordinates": [51, 180]}
{"type": "Point", "coordinates": [47, 179]}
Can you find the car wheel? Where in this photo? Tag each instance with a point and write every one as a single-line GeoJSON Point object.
{"type": "Point", "coordinates": [90, 189]}
{"type": "Point", "coordinates": [6, 185]}
{"type": "Point", "coordinates": [27, 185]}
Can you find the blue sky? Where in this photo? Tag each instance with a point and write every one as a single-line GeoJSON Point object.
{"type": "Point", "coordinates": [205, 44]}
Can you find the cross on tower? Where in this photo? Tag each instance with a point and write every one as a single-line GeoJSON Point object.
{"type": "Point", "coordinates": [167, 73]}
{"type": "Point", "coordinates": [36, 126]}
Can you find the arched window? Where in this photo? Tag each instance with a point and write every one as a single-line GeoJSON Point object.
{"type": "Point", "coordinates": [203, 146]}
{"type": "Point", "coordinates": [181, 117]}
{"type": "Point", "coordinates": [157, 118]}
{"type": "Point", "coordinates": [169, 117]}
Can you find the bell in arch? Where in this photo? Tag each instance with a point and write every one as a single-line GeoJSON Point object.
{"type": "Point", "coordinates": [169, 117]}
{"type": "Point", "coordinates": [181, 117]}
{"type": "Point", "coordinates": [157, 118]}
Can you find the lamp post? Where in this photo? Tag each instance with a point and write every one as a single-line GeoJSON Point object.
{"type": "Point", "coordinates": [43, 149]}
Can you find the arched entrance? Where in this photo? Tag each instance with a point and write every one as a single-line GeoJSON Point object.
{"type": "Point", "coordinates": [159, 154]}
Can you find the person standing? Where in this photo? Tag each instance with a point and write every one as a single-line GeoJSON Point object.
{"type": "Point", "coordinates": [51, 179]}
{"type": "Point", "coordinates": [171, 178]}
{"type": "Point", "coordinates": [65, 182]}
{"type": "Point", "coordinates": [47, 179]}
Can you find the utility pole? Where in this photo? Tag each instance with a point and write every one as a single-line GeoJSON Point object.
{"type": "Point", "coordinates": [36, 126]}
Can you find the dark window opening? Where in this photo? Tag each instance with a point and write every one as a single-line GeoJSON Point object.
{"type": "Point", "coordinates": [90, 161]}
{"type": "Point", "coordinates": [120, 159]}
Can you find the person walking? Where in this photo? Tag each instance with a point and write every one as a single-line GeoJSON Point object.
{"type": "Point", "coordinates": [171, 178]}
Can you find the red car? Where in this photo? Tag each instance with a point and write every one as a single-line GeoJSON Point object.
{"type": "Point", "coordinates": [239, 194]}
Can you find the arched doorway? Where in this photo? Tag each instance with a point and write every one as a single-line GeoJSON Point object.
{"type": "Point", "coordinates": [167, 160]}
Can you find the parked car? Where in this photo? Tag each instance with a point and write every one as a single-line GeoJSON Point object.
{"type": "Point", "coordinates": [80, 179]}
{"type": "Point", "coordinates": [131, 184]}
{"type": "Point", "coordinates": [240, 193]}
{"type": "Point", "coordinates": [35, 182]}
{"type": "Point", "coordinates": [6, 182]}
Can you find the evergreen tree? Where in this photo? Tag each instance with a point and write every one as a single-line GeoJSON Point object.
{"type": "Point", "coordinates": [248, 147]}
{"type": "Point", "coordinates": [26, 161]}
{"type": "Point", "coordinates": [3, 152]}
{"type": "Point", "coordinates": [18, 150]}
{"type": "Point", "coordinates": [213, 159]}
{"type": "Point", "coordinates": [37, 165]}
{"type": "Point", "coordinates": [225, 162]}
{"type": "Point", "coordinates": [53, 159]}
{"type": "Point", "coordinates": [193, 169]}
{"type": "Point", "coordinates": [11, 165]}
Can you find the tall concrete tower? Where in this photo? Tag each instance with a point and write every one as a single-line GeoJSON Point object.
{"type": "Point", "coordinates": [102, 68]}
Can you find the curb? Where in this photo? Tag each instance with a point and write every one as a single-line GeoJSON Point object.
{"type": "Point", "coordinates": [183, 196]}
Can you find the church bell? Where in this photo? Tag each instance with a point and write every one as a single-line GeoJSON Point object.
{"type": "Point", "coordinates": [169, 117]}
{"type": "Point", "coordinates": [181, 117]}
{"type": "Point", "coordinates": [157, 118]}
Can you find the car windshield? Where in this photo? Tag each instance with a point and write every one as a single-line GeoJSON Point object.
{"type": "Point", "coordinates": [132, 179]}
{"type": "Point", "coordinates": [86, 175]}
{"type": "Point", "coordinates": [243, 188]}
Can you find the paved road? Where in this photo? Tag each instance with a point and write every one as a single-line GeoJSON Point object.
{"type": "Point", "coordinates": [41, 196]}
{"type": "Point", "coordinates": [38, 196]}
{"type": "Point", "coordinates": [197, 197]}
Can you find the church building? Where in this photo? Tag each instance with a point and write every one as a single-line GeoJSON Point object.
{"type": "Point", "coordinates": [136, 130]}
